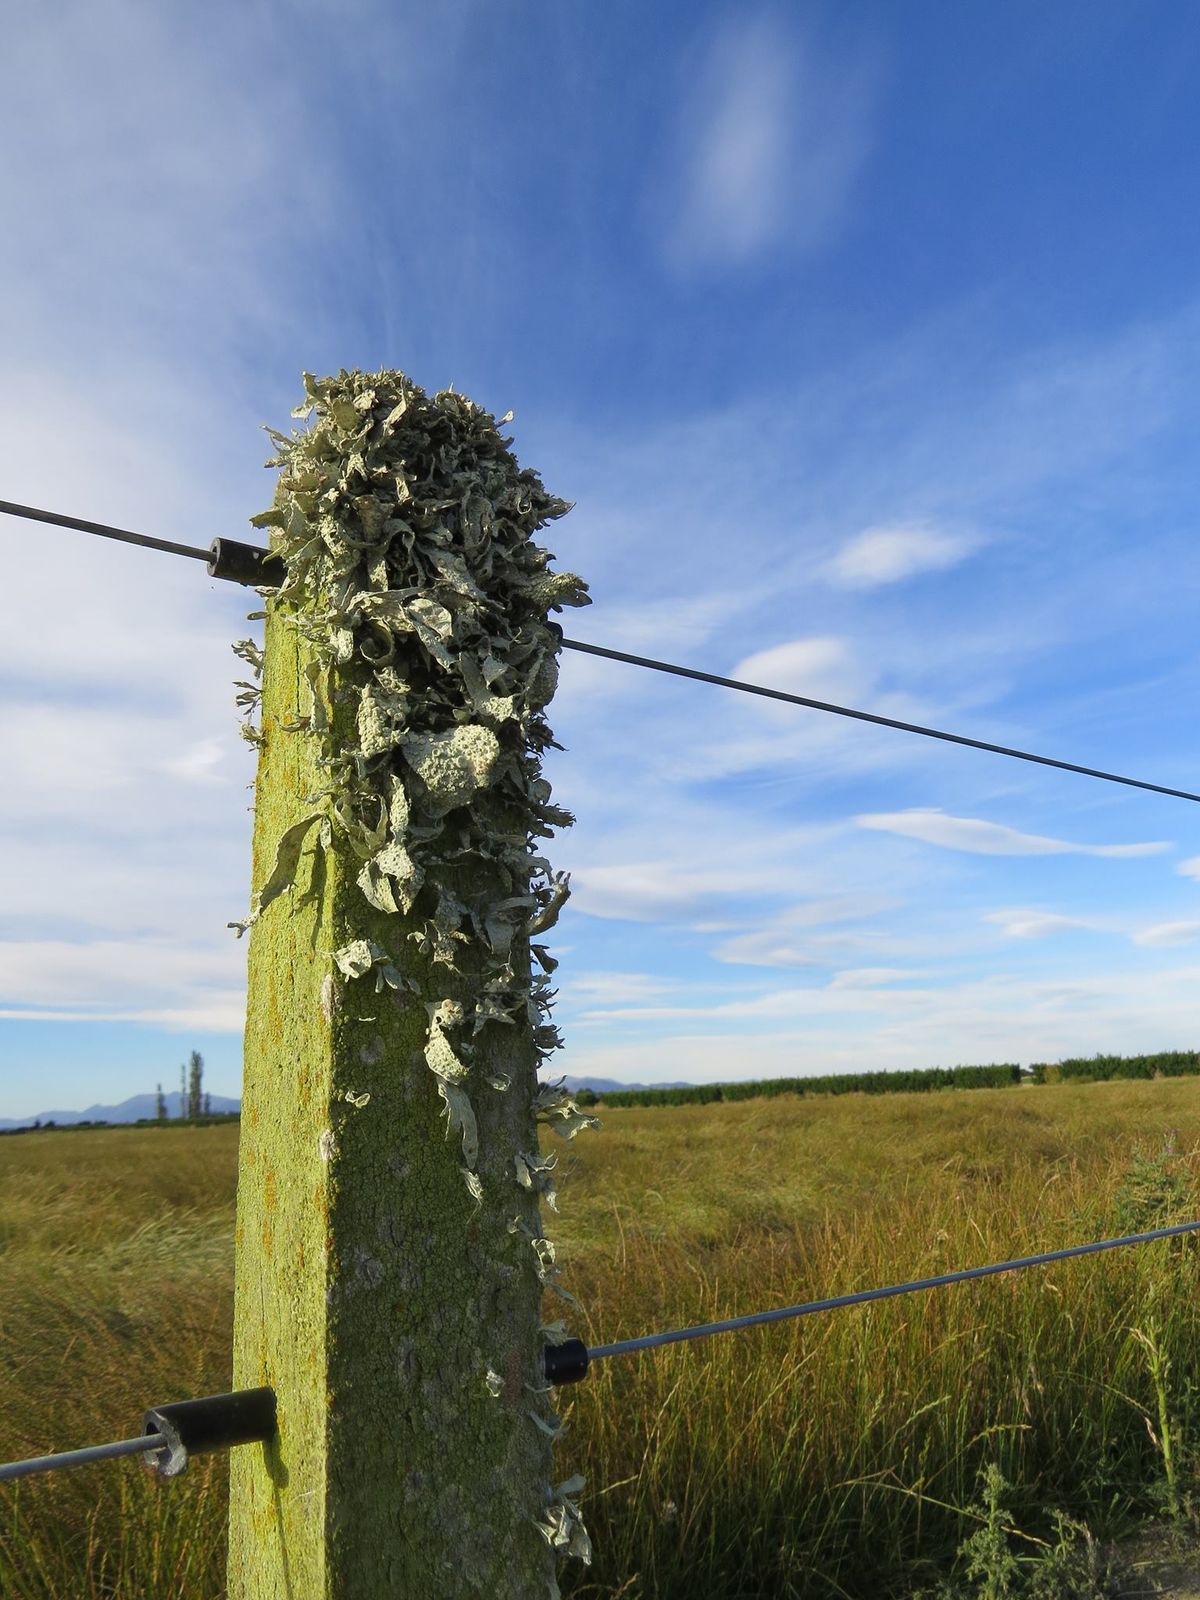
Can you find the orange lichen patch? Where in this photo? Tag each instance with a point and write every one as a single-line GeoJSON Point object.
{"type": "Point", "coordinates": [274, 1015]}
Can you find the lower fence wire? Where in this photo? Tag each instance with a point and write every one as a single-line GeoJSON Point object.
{"type": "Point", "coordinates": [174, 1433]}
{"type": "Point", "coordinates": [82, 1458]}
{"type": "Point", "coordinates": [568, 1362]}
{"type": "Point", "coordinates": [246, 1416]}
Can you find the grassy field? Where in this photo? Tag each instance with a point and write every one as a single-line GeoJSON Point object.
{"type": "Point", "coordinates": [837, 1456]}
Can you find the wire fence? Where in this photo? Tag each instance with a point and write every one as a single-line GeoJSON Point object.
{"type": "Point", "coordinates": [171, 1433]}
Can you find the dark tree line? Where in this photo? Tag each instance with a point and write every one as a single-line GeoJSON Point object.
{"type": "Point", "coordinates": [917, 1080]}
{"type": "Point", "coordinates": [1095, 1069]}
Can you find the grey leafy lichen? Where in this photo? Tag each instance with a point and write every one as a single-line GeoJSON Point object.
{"type": "Point", "coordinates": [561, 1525]}
{"type": "Point", "coordinates": [250, 698]}
{"type": "Point", "coordinates": [412, 575]}
{"type": "Point", "coordinates": [444, 598]}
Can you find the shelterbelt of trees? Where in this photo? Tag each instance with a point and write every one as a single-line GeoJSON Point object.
{"type": "Point", "coordinates": [998, 1075]}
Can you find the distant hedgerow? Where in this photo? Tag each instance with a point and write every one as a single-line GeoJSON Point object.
{"type": "Point", "coordinates": [1098, 1068]}
{"type": "Point", "coordinates": [917, 1080]}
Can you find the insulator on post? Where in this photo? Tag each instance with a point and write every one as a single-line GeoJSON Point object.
{"type": "Point", "coordinates": [566, 1362]}
{"type": "Point", "coordinates": [216, 1422]}
{"type": "Point", "coordinates": [245, 563]}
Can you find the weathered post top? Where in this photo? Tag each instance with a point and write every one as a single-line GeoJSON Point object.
{"type": "Point", "coordinates": [390, 1254]}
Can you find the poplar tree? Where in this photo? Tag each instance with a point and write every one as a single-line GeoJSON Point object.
{"type": "Point", "coordinates": [196, 1071]}
{"type": "Point", "coordinates": [391, 1259]}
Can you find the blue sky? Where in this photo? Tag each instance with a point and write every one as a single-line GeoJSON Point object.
{"type": "Point", "coordinates": [865, 340]}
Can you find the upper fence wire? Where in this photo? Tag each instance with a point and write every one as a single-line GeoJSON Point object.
{"type": "Point", "coordinates": [227, 558]}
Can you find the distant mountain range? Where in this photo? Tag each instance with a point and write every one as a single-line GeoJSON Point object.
{"type": "Point", "coordinates": [599, 1085]}
{"type": "Point", "coordinates": [145, 1106]}
{"type": "Point", "coordinates": [131, 1110]}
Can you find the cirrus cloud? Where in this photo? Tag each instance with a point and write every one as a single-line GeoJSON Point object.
{"type": "Point", "coordinates": [1027, 924]}
{"type": "Point", "coordinates": [1167, 933]}
{"type": "Point", "coordinates": [888, 554]}
{"type": "Point", "coordinates": [818, 668]}
{"type": "Point", "coordinates": [991, 838]}
{"type": "Point", "coordinates": [770, 139]}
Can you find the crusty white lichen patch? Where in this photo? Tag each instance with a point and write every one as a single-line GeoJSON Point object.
{"type": "Point", "coordinates": [407, 531]}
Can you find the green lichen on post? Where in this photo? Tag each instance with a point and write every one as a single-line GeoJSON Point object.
{"type": "Point", "coordinates": [391, 1259]}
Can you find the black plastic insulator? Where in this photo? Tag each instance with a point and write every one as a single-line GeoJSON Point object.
{"type": "Point", "coordinates": [192, 1427]}
{"type": "Point", "coordinates": [566, 1362]}
{"type": "Point", "coordinates": [245, 563]}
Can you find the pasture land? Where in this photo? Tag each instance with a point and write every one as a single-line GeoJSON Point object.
{"type": "Point", "coordinates": [836, 1456]}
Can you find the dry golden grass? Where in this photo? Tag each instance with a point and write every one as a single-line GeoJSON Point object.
{"type": "Point", "coordinates": [827, 1457]}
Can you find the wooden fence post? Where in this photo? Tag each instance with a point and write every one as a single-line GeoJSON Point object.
{"type": "Point", "coordinates": [390, 1255]}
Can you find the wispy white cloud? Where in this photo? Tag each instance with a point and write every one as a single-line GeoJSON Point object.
{"type": "Point", "coordinates": [677, 629]}
{"type": "Point", "coordinates": [198, 762]}
{"type": "Point", "coordinates": [818, 668]}
{"type": "Point", "coordinates": [1190, 868]}
{"type": "Point", "coordinates": [742, 735]}
{"type": "Point", "coordinates": [771, 136]}
{"type": "Point", "coordinates": [877, 977]}
{"type": "Point", "coordinates": [886, 555]}
{"type": "Point", "coordinates": [131, 979]}
{"type": "Point", "coordinates": [991, 838]}
{"type": "Point", "coordinates": [617, 988]}
{"type": "Point", "coordinates": [733, 196]}
{"type": "Point", "coordinates": [669, 888]}
{"type": "Point", "coordinates": [813, 934]}
{"type": "Point", "coordinates": [1168, 933]}
{"type": "Point", "coordinates": [1027, 924]}
{"type": "Point", "coordinates": [220, 1013]}
{"type": "Point", "coordinates": [649, 891]}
